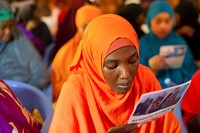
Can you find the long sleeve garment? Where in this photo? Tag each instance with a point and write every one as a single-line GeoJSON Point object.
{"type": "Point", "coordinates": [19, 60]}
{"type": "Point", "coordinates": [150, 46]}
{"type": "Point", "coordinates": [87, 104]}
{"type": "Point", "coordinates": [78, 110]}
{"type": "Point", "coordinates": [61, 63]}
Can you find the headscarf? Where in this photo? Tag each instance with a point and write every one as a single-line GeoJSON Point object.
{"type": "Point", "coordinates": [158, 7]}
{"type": "Point", "coordinates": [65, 55]}
{"type": "Point", "coordinates": [90, 57]}
{"type": "Point", "coordinates": [86, 103]}
{"type": "Point", "coordinates": [85, 14]}
{"type": "Point", "coordinates": [92, 45]}
{"type": "Point", "coordinates": [150, 46]}
{"type": "Point", "coordinates": [130, 12]}
{"type": "Point", "coordinates": [66, 21]}
{"type": "Point", "coordinates": [119, 43]}
{"type": "Point", "coordinates": [5, 11]}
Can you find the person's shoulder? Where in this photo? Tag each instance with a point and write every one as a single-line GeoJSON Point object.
{"type": "Point", "coordinates": [73, 90]}
{"type": "Point", "coordinates": [144, 37]}
{"type": "Point", "coordinates": [76, 78]}
{"type": "Point", "coordinates": [144, 40]}
{"type": "Point", "coordinates": [145, 73]}
{"type": "Point", "coordinates": [144, 70]}
{"type": "Point", "coordinates": [178, 38]}
{"type": "Point", "coordinates": [64, 50]}
{"type": "Point", "coordinates": [147, 79]}
{"type": "Point", "coordinates": [24, 45]}
{"type": "Point", "coordinates": [174, 34]}
{"type": "Point", "coordinates": [21, 39]}
{"type": "Point", "coordinates": [74, 84]}
{"type": "Point", "coordinates": [18, 33]}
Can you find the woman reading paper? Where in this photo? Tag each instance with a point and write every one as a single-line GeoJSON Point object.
{"type": "Point", "coordinates": [106, 83]}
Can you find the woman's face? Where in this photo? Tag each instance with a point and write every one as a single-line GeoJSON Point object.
{"type": "Point", "coordinates": [6, 30]}
{"type": "Point", "coordinates": [120, 68]}
{"type": "Point", "coordinates": [161, 25]}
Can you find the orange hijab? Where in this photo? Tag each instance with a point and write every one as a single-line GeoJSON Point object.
{"type": "Point", "coordinates": [86, 103]}
{"type": "Point", "coordinates": [66, 53]}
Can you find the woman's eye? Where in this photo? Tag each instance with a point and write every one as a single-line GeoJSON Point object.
{"type": "Point", "coordinates": [111, 66]}
{"type": "Point", "coordinates": [132, 62]}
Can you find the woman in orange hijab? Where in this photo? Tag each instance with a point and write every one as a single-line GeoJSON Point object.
{"type": "Point", "coordinates": [106, 83]}
{"type": "Point", "coordinates": [65, 55]}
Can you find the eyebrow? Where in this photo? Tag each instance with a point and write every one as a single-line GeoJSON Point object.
{"type": "Point", "coordinates": [134, 54]}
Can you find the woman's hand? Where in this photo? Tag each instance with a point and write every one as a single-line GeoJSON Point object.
{"type": "Point", "coordinates": [126, 128]}
{"type": "Point", "coordinates": [156, 63]}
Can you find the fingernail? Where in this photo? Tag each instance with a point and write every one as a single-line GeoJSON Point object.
{"type": "Point", "coordinates": [139, 125]}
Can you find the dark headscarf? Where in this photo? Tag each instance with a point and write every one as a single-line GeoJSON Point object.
{"type": "Point", "coordinates": [131, 13]}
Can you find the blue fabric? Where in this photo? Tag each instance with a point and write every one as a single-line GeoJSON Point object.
{"type": "Point", "coordinates": [158, 7]}
{"type": "Point", "coordinates": [150, 46]}
{"type": "Point", "coordinates": [20, 61]}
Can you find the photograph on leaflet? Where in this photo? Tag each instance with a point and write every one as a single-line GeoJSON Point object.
{"type": "Point", "coordinates": [155, 104]}
{"type": "Point", "coordinates": [173, 55]}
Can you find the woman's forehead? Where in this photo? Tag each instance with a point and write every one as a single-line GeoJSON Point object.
{"type": "Point", "coordinates": [122, 53]}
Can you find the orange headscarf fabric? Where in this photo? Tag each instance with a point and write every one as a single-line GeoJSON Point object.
{"type": "Point", "coordinates": [86, 103]}
{"type": "Point", "coordinates": [66, 53]}
{"type": "Point", "coordinates": [190, 103]}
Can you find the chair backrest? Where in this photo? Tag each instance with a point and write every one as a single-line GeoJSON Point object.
{"type": "Point", "coordinates": [31, 97]}
{"type": "Point", "coordinates": [47, 122]}
{"type": "Point", "coordinates": [48, 53]}
{"type": "Point", "coordinates": [48, 92]}
{"type": "Point", "coordinates": [178, 113]}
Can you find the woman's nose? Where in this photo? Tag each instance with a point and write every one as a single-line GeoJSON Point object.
{"type": "Point", "coordinates": [163, 25]}
{"type": "Point", "coordinates": [124, 72]}
{"type": "Point", "coordinates": [7, 30]}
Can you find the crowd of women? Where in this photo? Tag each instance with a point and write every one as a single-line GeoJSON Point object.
{"type": "Point", "coordinates": [105, 54]}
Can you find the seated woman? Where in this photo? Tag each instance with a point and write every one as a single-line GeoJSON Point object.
{"type": "Point", "coordinates": [160, 19]}
{"type": "Point", "coordinates": [191, 105]}
{"type": "Point", "coordinates": [65, 55]}
{"type": "Point", "coordinates": [106, 83]}
{"type": "Point", "coordinates": [188, 26]}
{"type": "Point", "coordinates": [13, 116]}
{"type": "Point", "coordinates": [30, 23]}
{"type": "Point", "coordinates": [19, 60]}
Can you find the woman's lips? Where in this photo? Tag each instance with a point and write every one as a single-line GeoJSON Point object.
{"type": "Point", "coordinates": [124, 86]}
